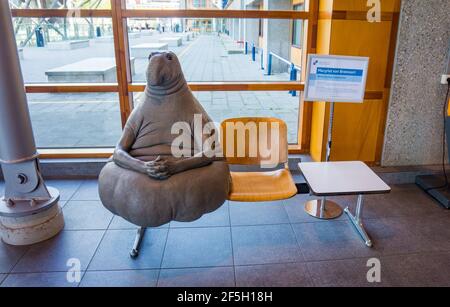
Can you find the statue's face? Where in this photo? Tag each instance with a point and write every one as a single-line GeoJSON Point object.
{"type": "Point", "coordinates": [163, 68]}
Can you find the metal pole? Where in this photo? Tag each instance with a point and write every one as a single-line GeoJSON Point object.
{"type": "Point", "coordinates": [262, 59]}
{"type": "Point", "coordinates": [324, 208]}
{"type": "Point", "coordinates": [293, 77]}
{"type": "Point", "coordinates": [357, 220]}
{"type": "Point", "coordinates": [330, 135]}
{"type": "Point", "coordinates": [269, 64]}
{"type": "Point", "coordinates": [16, 135]}
{"type": "Point", "coordinates": [253, 53]}
{"type": "Point", "coordinates": [330, 132]}
{"type": "Point", "coordinates": [29, 212]}
{"type": "Point", "coordinates": [359, 207]}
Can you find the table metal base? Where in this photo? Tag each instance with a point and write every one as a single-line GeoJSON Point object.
{"type": "Point", "coordinates": [323, 209]}
{"type": "Point", "coordinates": [357, 222]}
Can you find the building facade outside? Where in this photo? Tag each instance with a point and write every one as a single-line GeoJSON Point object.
{"type": "Point", "coordinates": [283, 38]}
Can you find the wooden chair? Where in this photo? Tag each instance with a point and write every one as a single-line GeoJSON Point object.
{"type": "Point", "coordinates": [258, 186]}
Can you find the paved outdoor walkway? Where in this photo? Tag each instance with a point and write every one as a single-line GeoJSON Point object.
{"type": "Point", "coordinates": [92, 119]}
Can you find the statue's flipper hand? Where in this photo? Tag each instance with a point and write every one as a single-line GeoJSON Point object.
{"type": "Point", "coordinates": [163, 176]}
{"type": "Point", "coordinates": [159, 175]}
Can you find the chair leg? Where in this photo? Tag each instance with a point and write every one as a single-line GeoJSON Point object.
{"type": "Point", "coordinates": [137, 242]}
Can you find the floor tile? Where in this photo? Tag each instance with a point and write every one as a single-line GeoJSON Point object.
{"type": "Point", "coordinates": [197, 277]}
{"type": "Point", "coordinates": [86, 215]}
{"type": "Point", "coordinates": [295, 208]}
{"type": "Point", "coordinates": [52, 255]}
{"type": "Point", "coordinates": [403, 235]}
{"type": "Point", "coordinates": [243, 214]}
{"type": "Point", "coordinates": [10, 255]}
{"type": "Point", "coordinates": [217, 218]}
{"type": "Point", "coordinates": [403, 201]}
{"type": "Point", "coordinates": [433, 231]}
{"type": "Point", "coordinates": [198, 247]}
{"type": "Point", "coordinates": [119, 223]}
{"type": "Point", "coordinates": [54, 279]}
{"type": "Point", "coordinates": [273, 275]}
{"type": "Point", "coordinates": [345, 273]}
{"type": "Point", "coordinates": [88, 190]}
{"type": "Point", "coordinates": [66, 188]}
{"type": "Point", "coordinates": [331, 240]}
{"type": "Point", "coordinates": [410, 234]}
{"type": "Point", "coordinates": [134, 278]}
{"type": "Point", "coordinates": [420, 270]}
{"type": "Point", "coordinates": [114, 251]}
{"type": "Point", "coordinates": [265, 244]}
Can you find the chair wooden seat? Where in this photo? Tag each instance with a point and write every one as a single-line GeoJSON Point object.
{"type": "Point", "coordinates": [258, 186]}
{"type": "Point", "coordinates": [262, 186]}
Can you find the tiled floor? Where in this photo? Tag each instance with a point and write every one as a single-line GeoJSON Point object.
{"type": "Point", "coordinates": [265, 244]}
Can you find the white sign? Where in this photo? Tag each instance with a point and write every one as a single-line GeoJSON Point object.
{"type": "Point", "coordinates": [336, 78]}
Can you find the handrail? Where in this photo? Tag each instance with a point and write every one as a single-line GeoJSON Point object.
{"type": "Point", "coordinates": [285, 61]}
{"type": "Point", "coordinates": [293, 68]}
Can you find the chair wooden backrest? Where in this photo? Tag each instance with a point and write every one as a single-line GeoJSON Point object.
{"type": "Point", "coordinates": [254, 140]}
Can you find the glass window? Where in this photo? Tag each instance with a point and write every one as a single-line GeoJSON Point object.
{"type": "Point", "coordinates": [199, 4]}
{"type": "Point", "coordinates": [224, 105]}
{"type": "Point", "coordinates": [66, 50]}
{"type": "Point", "coordinates": [211, 4]}
{"type": "Point", "coordinates": [297, 32]}
{"type": "Point", "coordinates": [81, 50]}
{"type": "Point", "coordinates": [216, 49]}
{"type": "Point", "coordinates": [73, 120]}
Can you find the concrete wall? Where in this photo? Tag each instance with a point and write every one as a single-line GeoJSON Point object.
{"type": "Point", "coordinates": [414, 125]}
{"type": "Point", "coordinates": [236, 28]}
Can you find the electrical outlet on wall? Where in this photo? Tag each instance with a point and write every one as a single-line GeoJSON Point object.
{"type": "Point", "coordinates": [444, 79]}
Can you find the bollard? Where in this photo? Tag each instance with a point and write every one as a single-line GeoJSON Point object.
{"type": "Point", "coordinates": [293, 77]}
{"type": "Point", "coordinates": [253, 53]}
{"type": "Point", "coordinates": [40, 42]}
{"type": "Point", "coordinates": [262, 59]}
{"type": "Point", "coordinates": [269, 65]}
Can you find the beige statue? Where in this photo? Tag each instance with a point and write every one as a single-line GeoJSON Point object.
{"type": "Point", "coordinates": [145, 183]}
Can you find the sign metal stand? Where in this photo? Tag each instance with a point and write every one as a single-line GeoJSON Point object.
{"type": "Point", "coordinates": [323, 208]}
